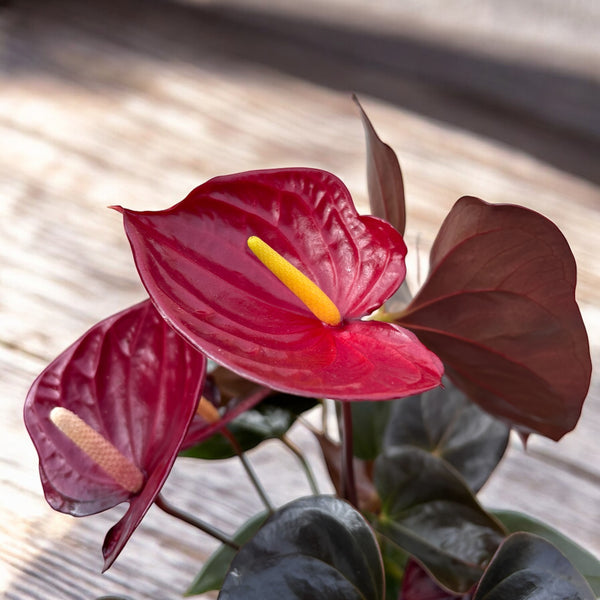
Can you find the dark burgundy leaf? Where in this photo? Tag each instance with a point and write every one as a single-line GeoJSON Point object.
{"type": "Point", "coordinates": [194, 261]}
{"type": "Point", "coordinates": [137, 383]}
{"type": "Point", "coordinates": [499, 308]}
{"type": "Point", "coordinates": [384, 178]}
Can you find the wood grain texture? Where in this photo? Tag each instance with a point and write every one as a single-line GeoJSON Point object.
{"type": "Point", "coordinates": [135, 103]}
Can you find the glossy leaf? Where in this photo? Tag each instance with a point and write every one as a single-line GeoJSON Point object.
{"type": "Point", "coordinates": [428, 510]}
{"type": "Point", "coordinates": [499, 308]}
{"type": "Point", "coordinates": [384, 178]}
{"type": "Point", "coordinates": [418, 585]}
{"type": "Point", "coordinates": [194, 261]}
{"type": "Point", "coordinates": [587, 564]}
{"type": "Point", "coordinates": [269, 419]}
{"type": "Point", "coordinates": [445, 423]}
{"type": "Point", "coordinates": [528, 567]}
{"type": "Point", "coordinates": [137, 383]}
{"type": "Point", "coordinates": [313, 548]}
{"type": "Point", "coordinates": [369, 422]}
{"type": "Point", "coordinates": [215, 569]}
{"type": "Point", "coordinates": [316, 547]}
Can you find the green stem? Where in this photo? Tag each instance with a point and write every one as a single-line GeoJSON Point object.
{"type": "Point", "coordinates": [249, 470]}
{"type": "Point", "coordinates": [198, 523]}
{"type": "Point", "coordinates": [348, 478]}
{"type": "Point", "coordinates": [305, 465]}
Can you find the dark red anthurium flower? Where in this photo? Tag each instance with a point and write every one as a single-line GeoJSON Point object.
{"type": "Point", "coordinates": [271, 273]}
{"type": "Point", "coordinates": [109, 415]}
{"type": "Point", "coordinates": [499, 308]}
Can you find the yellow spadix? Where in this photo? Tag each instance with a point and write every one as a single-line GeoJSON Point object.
{"type": "Point", "coordinates": [299, 284]}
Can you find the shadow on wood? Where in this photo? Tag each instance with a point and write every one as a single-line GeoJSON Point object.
{"type": "Point", "coordinates": [547, 113]}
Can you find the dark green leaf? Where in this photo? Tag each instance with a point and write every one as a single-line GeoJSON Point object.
{"type": "Point", "coordinates": [429, 511]}
{"type": "Point", "coordinates": [369, 421]}
{"type": "Point", "coordinates": [213, 571]}
{"type": "Point", "coordinates": [313, 548]}
{"type": "Point", "coordinates": [394, 563]}
{"type": "Point", "coordinates": [270, 419]}
{"type": "Point", "coordinates": [587, 564]}
{"type": "Point", "coordinates": [527, 567]}
{"type": "Point", "coordinates": [447, 424]}
{"type": "Point", "coordinates": [217, 447]}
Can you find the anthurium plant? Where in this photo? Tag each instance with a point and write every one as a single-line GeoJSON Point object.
{"type": "Point", "coordinates": [270, 296]}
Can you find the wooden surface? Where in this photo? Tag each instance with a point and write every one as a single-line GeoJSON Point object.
{"type": "Point", "coordinates": [136, 102]}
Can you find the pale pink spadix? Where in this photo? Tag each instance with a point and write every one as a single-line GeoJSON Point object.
{"type": "Point", "coordinates": [98, 448]}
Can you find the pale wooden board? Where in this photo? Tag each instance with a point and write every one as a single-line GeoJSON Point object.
{"type": "Point", "coordinates": [115, 109]}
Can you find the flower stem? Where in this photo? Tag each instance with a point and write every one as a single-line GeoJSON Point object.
{"type": "Point", "coordinates": [305, 465]}
{"type": "Point", "coordinates": [348, 479]}
{"type": "Point", "coordinates": [198, 523]}
{"type": "Point", "coordinates": [249, 470]}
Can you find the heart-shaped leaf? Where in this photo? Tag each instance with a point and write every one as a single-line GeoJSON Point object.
{"type": "Point", "coordinates": [384, 177]}
{"type": "Point", "coordinates": [445, 423]}
{"type": "Point", "coordinates": [499, 308]}
{"type": "Point", "coordinates": [528, 567]}
{"type": "Point", "coordinates": [195, 262]}
{"type": "Point", "coordinates": [136, 382]}
{"type": "Point", "coordinates": [214, 570]}
{"type": "Point", "coordinates": [429, 511]}
{"type": "Point", "coordinates": [587, 564]}
{"type": "Point", "coordinates": [313, 548]}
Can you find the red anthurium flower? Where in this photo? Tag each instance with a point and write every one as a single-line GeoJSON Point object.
{"type": "Point", "coordinates": [109, 415]}
{"type": "Point", "coordinates": [270, 273]}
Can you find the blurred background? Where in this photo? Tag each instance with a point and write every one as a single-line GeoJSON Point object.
{"type": "Point", "coordinates": [135, 102]}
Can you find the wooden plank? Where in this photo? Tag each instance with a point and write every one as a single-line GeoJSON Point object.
{"type": "Point", "coordinates": [527, 84]}
{"type": "Point", "coordinates": [136, 106]}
